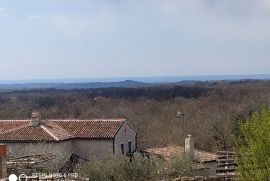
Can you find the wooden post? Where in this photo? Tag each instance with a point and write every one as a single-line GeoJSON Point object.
{"type": "Point", "coordinates": [3, 161]}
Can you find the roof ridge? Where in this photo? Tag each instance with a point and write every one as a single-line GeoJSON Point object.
{"type": "Point", "coordinates": [13, 120]}
{"type": "Point", "coordinates": [78, 120]}
{"type": "Point", "coordinates": [50, 133]}
{"type": "Point", "coordinates": [28, 120]}
{"type": "Point", "coordinates": [52, 124]}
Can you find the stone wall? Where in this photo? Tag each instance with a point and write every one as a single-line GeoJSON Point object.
{"type": "Point", "coordinates": [124, 135]}
{"type": "Point", "coordinates": [61, 150]}
{"type": "Point", "coordinates": [90, 148]}
{"type": "Point", "coordinates": [84, 148]}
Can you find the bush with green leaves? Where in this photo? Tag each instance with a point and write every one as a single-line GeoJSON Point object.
{"type": "Point", "coordinates": [142, 168]}
{"type": "Point", "coordinates": [97, 169]}
{"type": "Point", "coordinates": [253, 147]}
{"type": "Point", "coordinates": [121, 168]}
{"type": "Point", "coordinates": [181, 165]}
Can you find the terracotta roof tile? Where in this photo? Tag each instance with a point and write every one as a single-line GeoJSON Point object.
{"type": "Point", "coordinates": [27, 133]}
{"type": "Point", "coordinates": [11, 124]}
{"type": "Point", "coordinates": [91, 128]}
{"type": "Point", "coordinates": [170, 151]}
{"type": "Point", "coordinates": [58, 130]}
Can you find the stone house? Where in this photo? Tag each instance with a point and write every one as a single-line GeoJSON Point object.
{"type": "Point", "coordinates": [85, 138]}
{"type": "Point", "coordinates": [204, 161]}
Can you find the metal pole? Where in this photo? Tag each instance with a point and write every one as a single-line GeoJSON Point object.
{"type": "Point", "coordinates": [178, 114]}
{"type": "Point", "coordinates": [184, 130]}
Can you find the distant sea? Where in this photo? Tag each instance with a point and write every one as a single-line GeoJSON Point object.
{"type": "Point", "coordinates": [157, 79]}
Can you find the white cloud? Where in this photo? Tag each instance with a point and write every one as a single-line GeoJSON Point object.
{"type": "Point", "coordinates": [36, 16]}
{"type": "Point", "coordinates": [148, 32]}
{"type": "Point", "coordinates": [237, 19]}
{"type": "Point", "coordinates": [3, 12]}
{"type": "Point", "coordinates": [265, 4]}
{"type": "Point", "coordinates": [78, 26]}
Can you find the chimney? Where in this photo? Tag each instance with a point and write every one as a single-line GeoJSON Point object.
{"type": "Point", "coordinates": [189, 147]}
{"type": "Point", "coordinates": [36, 119]}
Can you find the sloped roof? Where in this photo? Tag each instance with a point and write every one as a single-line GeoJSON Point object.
{"type": "Point", "coordinates": [168, 152]}
{"type": "Point", "coordinates": [91, 129]}
{"type": "Point", "coordinates": [58, 130]}
{"type": "Point", "coordinates": [6, 125]}
{"type": "Point", "coordinates": [26, 133]}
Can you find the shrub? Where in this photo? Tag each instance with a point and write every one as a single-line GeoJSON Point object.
{"type": "Point", "coordinates": [120, 168]}
{"type": "Point", "coordinates": [181, 165]}
{"type": "Point", "coordinates": [96, 169]}
{"type": "Point", "coordinates": [253, 147]}
{"type": "Point", "coordinates": [142, 168]}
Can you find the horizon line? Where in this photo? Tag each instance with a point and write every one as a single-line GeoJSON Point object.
{"type": "Point", "coordinates": [172, 78]}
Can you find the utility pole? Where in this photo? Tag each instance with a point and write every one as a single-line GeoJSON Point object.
{"type": "Point", "coordinates": [180, 114]}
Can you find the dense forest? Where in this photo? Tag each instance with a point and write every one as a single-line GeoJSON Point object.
{"type": "Point", "coordinates": [212, 110]}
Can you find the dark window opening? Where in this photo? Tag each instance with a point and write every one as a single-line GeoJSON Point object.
{"type": "Point", "coordinates": [122, 149]}
{"type": "Point", "coordinates": [129, 147]}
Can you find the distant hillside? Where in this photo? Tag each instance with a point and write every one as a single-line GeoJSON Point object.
{"type": "Point", "coordinates": [87, 85]}
{"type": "Point", "coordinates": [120, 84]}
{"type": "Point", "coordinates": [131, 82]}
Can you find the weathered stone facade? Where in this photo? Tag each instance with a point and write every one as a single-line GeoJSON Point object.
{"type": "Point", "coordinates": [125, 135]}
{"type": "Point", "coordinates": [86, 148]}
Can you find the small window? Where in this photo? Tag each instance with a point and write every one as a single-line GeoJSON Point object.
{"type": "Point", "coordinates": [122, 149]}
{"type": "Point", "coordinates": [129, 147]}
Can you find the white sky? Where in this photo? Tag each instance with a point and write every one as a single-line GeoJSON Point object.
{"type": "Point", "coordinates": [47, 39]}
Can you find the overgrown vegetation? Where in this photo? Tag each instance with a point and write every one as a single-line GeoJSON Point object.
{"type": "Point", "coordinates": [122, 168]}
{"type": "Point", "coordinates": [253, 147]}
{"type": "Point", "coordinates": [212, 111]}
{"type": "Point", "coordinates": [182, 166]}
{"type": "Point", "coordinates": [138, 168]}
